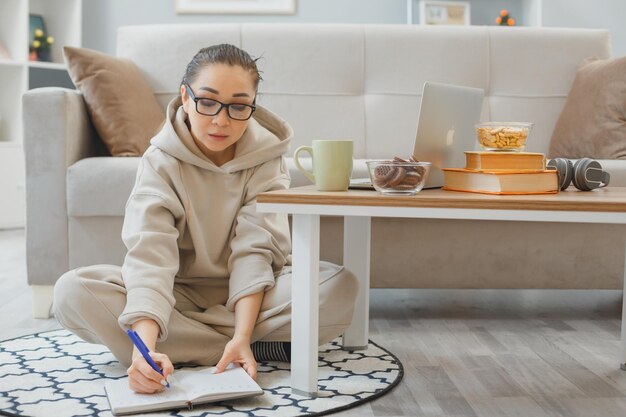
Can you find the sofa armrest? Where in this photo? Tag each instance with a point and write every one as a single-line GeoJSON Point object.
{"type": "Point", "coordinates": [57, 133]}
{"type": "Point", "coordinates": [617, 169]}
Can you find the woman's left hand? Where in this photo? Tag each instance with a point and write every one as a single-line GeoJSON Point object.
{"type": "Point", "coordinates": [238, 351]}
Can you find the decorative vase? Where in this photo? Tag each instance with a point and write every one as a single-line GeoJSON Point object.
{"type": "Point", "coordinates": [44, 55]}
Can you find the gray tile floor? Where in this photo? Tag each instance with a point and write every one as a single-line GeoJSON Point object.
{"type": "Point", "coordinates": [465, 353]}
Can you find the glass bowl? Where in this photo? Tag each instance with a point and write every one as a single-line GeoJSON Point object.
{"type": "Point", "coordinates": [503, 136]}
{"type": "Point", "coordinates": [398, 178]}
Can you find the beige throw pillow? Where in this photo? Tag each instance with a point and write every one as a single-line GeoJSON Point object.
{"type": "Point", "coordinates": [119, 100]}
{"type": "Point", "coordinates": [593, 121]}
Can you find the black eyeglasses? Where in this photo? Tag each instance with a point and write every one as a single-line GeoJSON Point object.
{"type": "Point", "coordinates": [210, 107]}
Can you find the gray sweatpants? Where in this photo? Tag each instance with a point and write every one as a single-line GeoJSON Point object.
{"type": "Point", "coordinates": [89, 300]}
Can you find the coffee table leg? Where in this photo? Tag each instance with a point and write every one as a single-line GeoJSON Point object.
{"type": "Point", "coordinates": [305, 304]}
{"type": "Point", "coordinates": [622, 353]}
{"type": "Point", "coordinates": [356, 258]}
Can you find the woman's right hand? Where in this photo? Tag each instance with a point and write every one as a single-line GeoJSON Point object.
{"type": "Point", "coordinates": [143, 379]}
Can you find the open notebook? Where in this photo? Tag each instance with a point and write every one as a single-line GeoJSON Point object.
{"type": "Point", "coordinates": [188, 388]}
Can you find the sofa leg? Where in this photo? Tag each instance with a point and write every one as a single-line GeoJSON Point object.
{"type": "Point", "coordinates": [42, 300]}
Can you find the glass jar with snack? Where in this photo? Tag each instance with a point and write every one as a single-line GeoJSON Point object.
{"type": "Point", "coordinates": [398, 176]}
{"type": "Point", "coordinates": [503, 136]}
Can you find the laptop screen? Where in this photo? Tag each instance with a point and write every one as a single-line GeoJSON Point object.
{"type": "Point", "coordinates": [445, 127]}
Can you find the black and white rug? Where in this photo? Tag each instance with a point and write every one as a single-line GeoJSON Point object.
{"type": "Point", "coordinates": [57, 374]}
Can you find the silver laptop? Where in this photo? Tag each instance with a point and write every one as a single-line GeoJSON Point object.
{"type": "Point", "coordinates": [445, 129]}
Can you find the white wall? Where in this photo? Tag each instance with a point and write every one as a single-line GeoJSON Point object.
{"type": "Point", "coordinates": [101, 18]}
{"type": "Point", "coordinates": [531, 12]}
{"type": "Point", "coordinates": [604, 14]}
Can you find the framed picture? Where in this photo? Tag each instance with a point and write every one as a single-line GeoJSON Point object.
{"type": "Point", "coordinates": [444, 12]}
{"type": "Point", "coordinates": [236, 6]}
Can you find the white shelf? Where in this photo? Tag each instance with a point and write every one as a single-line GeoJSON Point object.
{"type": "Point", "coordinates": [63, 21]}
{"type": "Point", "coordinates": [12, 185]}
{"type": "Point", "coordinates": [48, 65]}
{"type": "Point", "coordinates": [14, 28]}
{"type": "Point", "coordinates": [531, 10]}
{"type": "Point", "coordinates": [13, 83]}
{"type": "Point", "coordinates": [11, 63]}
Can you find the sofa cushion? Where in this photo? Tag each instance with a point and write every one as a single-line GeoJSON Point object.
{"type": "Point", "coordinates": [540, 62]}
{"type": "Point", "coordinates": [543, 111]}
{"type": "Point", "coordinates": [119, 100]}
{"type": "Point", "coordinates": [100, 186]}
{"type": "Point", "coordinates": [593, 120]}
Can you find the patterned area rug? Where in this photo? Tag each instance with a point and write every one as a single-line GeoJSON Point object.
{"type": "Point", "coordinates": [57, 374]}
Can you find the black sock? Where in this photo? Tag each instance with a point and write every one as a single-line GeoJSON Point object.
{"type": "Point", "coordinates": [272, 351]}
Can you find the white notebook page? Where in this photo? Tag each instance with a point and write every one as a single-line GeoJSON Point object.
{"type": "Point", "coordinates": [206, 384]}
{"type": "Point", "coordinates": [186, 385]}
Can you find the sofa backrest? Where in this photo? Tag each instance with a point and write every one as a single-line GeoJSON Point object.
{"type": "Point", "coordinates": [364, 82]}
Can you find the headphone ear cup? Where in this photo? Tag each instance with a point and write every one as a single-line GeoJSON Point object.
{"type": "Point", "coordinates": [564, 169]}
{"type": "Point", "coordinates": [588, 174]}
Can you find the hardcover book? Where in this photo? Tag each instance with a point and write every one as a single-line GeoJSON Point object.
{"type": "Point", "coordinates": [188, 387]}
{"type": "Point", "coordinates": [501, 182]}
{"type": "Point", "coordinates": [505, 161]}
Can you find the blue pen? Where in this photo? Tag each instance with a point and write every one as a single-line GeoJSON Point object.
{"type": "Point", "coordinates": [143, 349]}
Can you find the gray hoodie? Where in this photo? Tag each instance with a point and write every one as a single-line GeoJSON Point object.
{"type": "Point", "coordinates": [190, 221]}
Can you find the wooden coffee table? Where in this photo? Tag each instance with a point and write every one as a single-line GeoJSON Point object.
{"type": "Point", "coordinates": [606, 206]}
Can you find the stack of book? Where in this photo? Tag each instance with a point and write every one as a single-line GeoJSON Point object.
{"type": "Point", "coordinates": [502, 173]}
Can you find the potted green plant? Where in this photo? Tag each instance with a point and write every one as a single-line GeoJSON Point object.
{"type": "Point", "coordinates": [39, 48]}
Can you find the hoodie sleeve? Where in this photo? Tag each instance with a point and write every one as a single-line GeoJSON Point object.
{"type": "Point", "coordinates": [151, 237]}
{"type": "Point", "coordinates": [262, 243]}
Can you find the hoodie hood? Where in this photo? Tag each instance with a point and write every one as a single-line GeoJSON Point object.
{"type": "Point", "coordinates": [266, 137]}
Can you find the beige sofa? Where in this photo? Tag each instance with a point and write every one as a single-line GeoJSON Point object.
{"type": "Point", "coordinates": [361, 82]}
